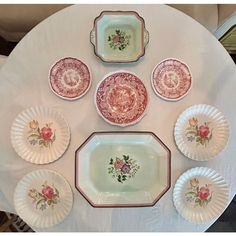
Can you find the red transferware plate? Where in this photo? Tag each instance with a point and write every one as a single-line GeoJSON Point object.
{"type": "Point", "coordinates": [69, 78]}
{"type": "Point", "coordinates": [121, 98]}
{"type": "Point", "coordinates": [171, 79]}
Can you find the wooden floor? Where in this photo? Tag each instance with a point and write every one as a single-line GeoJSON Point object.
{"type": "Point", "coordinates": [226, 223]}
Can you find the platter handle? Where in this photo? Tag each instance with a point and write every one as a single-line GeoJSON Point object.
{"type": "Point", "coordinates": [92, 36]}
{"type": "Point", "coordinates": [146, 37]}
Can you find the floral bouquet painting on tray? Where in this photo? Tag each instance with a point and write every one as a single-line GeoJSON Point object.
{"type": "Point", "coordinates": [123, 168]}
{"type": "Point", "coordinates": [119, 40]}
{"type": "Point", "coordinates": [44, 136]}
{"type": "Point", "coordinates": [200, 133]}
{"type": "Point", "coordinates": [200, 196]}
{"type": "Point", "coordinates": [47, 197]}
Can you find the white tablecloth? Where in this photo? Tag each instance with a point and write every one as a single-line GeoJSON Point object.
{"type": "Point", "coordinates": [23, 83]}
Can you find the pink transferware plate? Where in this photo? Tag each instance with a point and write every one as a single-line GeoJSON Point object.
{"type": "Point", "coordinates": [69, 78]}
{"type": "Point", "coordinates": [121, 98]}
{"type": "Point", "coordinates": [171, 79]}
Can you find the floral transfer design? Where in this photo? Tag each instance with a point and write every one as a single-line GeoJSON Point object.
{"type": "Point", "coordinates": [122, 98]}
{"type": "Point", "coordinates": [123, 169]}
{"type": "Point", "coordinates": [119, 40]}
{"type": "Point", "coordinates": [44, 136]}
{"type": "Point", "coordinates": [48, 197]}
{"type": "Point", "coordinates": [201, 134]}
{"type": "Point", "coordinates": [201, 196]}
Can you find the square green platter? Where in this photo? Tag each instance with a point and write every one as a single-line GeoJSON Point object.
{"type": "Point", "coordinates": [119, 36]}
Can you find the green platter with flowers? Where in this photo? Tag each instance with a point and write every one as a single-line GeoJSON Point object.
{"type": "Point", "coordinates": [119, 36]}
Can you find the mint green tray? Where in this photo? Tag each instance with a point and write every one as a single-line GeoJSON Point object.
{"type": "Point", "coordinates": [119, 36]}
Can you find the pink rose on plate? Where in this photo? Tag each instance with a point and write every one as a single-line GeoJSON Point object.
{"type": "Point", "coordinates": [46, 133]}
{"type": "Point", "coordinates": [116, 39]}
{"type": "Point", "coordinates": [203, 193]}
{"type": "Point", "coordinates": [118, 164]}
{"type": "Point", "coordinates": [48, 192]}
{"type": "Point", "coordinates": [203, 131]}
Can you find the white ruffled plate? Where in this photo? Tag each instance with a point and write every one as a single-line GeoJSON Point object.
{"type": "Point", "coordinates": [40, 135]}
{"type": "Point", "coordinates": [200, 195]}
{"type": "Point", "coordinates": [43, 198]}
{"type": "Point", "coordinates": [201, 132]}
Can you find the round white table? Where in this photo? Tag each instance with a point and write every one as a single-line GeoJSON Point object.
{"type": "Point", "coordinates": [24, 83]}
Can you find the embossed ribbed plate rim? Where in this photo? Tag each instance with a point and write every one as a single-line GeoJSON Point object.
{"type": "Point", "coordinates": [207, 213]}
{"type": "Point", "coordinates": [24, 205]}
{"type": "Point", "coordinates": [220, 123]}
{"type": "Point", "coordinates": [19, 142]}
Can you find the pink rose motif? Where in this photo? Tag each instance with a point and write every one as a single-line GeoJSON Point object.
{"type": "Point", "coordinates": [203, 193]}
{"type": "Point", "coordinates": [116, 39]}
{"type": "Point", "coordinates": [125, 169]}
{"type": "Point", "coordinates": [48, 192]}
{"type": "Point", "coordinates": [118, 164]}
{"type": "Point", "coordinates": [203, 131]}
{"type": "Point", "coordinates": [46, 133]}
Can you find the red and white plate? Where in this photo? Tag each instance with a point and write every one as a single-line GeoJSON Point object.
{"type": "Point", "coordinates": [171, 79]}
{"type": "Point", "coordinates": [121, 98]}
{"type": "Point", "coordinates": [69, 78]}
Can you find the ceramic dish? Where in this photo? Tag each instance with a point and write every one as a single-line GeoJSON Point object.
{"type": "Point", "coordinates": [69, 78]}
{"type": "Point", "coordinates": [121, 98]}
{"type": "Point", "coordinates": [112, 169]}
{"type": "Point", "coordinates": [119, 36]}
{"type": "Point", "coordinates": [201, 132]}
{"type": "Point", "coordinates": [171, 79]}
{"type": "Point", "coordinates": [43, 198]}
{"type": "Point", "coordinates": [40, 135]}
{"type": "Point", "coordinates": [200, 195]}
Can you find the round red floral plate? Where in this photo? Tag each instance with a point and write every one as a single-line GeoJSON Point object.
{"type": "Point", "coordinates": [121, 98]}
{"type": "Point", "coordinates": [69, 78]}
{"type": "Point", "coordinates": [171, 79]}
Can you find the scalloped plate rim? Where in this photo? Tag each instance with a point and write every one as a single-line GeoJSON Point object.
{"type": "Point", "coordinates": [66, 98]}
{"type": "Point", "coordinates": [15, 147]}
{"type": "Point", "coordinates": [184, 175]}
{"type": "Point", "coordinates": [48, 171]}
{"type": "Point", "coordinates": [171, 99]}
{"type": "Point", "coordinates": [205, 158]}
{"type": "Point", "coordinates": [127, 124]}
